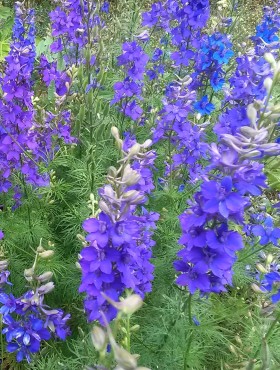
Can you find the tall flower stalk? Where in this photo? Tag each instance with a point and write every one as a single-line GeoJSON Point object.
{"type": "Point", "coordinates": [119, 235]}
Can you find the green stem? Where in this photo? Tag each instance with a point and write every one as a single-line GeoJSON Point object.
{"type": "Point", "coordinates": [128, 333]}
{"type": "Point", "coordinates": [268, 334]}
{"type": "Point", "coordinates": [190, 309]}
{"type": "Point", "coordinates": [252, 253]}
{"type": "Point", "coordinates": [190, 338]}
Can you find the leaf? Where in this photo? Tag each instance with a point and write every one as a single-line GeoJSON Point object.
{"type": "Point", "coordinates": [51, 91]}
{"type": "Point", "coordinates": [5, 12]}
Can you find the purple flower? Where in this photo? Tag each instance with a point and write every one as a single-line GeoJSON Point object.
{"type": "Point", "coordinates": [220, 198]}
{"type": "Point", "coordinates": [267, 232]}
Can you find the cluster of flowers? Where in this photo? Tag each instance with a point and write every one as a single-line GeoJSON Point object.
{"type": "Point", "coordinates": [173, 125]}
{"type": "Point", "coordinates": [128, 91]}
{"type": "Point", "coordinates": [118, 244]}
{"type": "Point", "coordinates": [72, 24]}
{"type": "Point", "coordinates": [247, 82]}
{"type": "Point", "coordinates": [27, 145]}
{"type": "Point", "coordinates": [18, 145]}
{"type": "Point", "coordinates": [215, 51]}
{"type": "Point", "coordinates": [27, 320]}
{"type": "Point", "coordinates": [209, 254]}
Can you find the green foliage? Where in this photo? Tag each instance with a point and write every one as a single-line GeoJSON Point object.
{"type": "Point", "coordinates": [5, 30]}
{"type": "Point", "coordinates": [232, 325]}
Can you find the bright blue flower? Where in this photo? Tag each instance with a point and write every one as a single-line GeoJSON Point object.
{"type": "Point", "coordinates": [204, 107]}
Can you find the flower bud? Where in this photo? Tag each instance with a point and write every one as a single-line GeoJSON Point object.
{"type": "Point", "coordinates": [131, 194]}
{"type": "Point", "coordinates": [123, 358]}
{"type": "Point", "coordinates": [147, 143]}
{"type": "Point", "coordinates": [46, 254]}
{"type": "Point", "coordinates": [270, 59]}
{"type": "Point", "coordinates": [3, 265]}
{"type": "Point", "coordinates": [252, 113]}
{"type": "Point", "coordinates": [256, 288]}
{"type": "Point", "coordinates": [112, 171]}
{"type": "Point", "coordinates": [99, 338]}
{"type": "Point", "coordinates": [46, 276]}
{"type": "Point", "coordinates": [81, 237]}
{"type": "Point", "coordinates": [269, 258]}
{"type": "Point", "coordinates": [128, 305]}
{"type": "Point", "coordinates": [134, 150]}
{"type": "Point", "coordinates": [115, 132]}
{"type": "Point", "coordinates": [47, 288]}
{"type": "Point", "coordinates": [28, 273]}
{"type": "Point", "coordinates": [261, 268]}
{"type": "Point", "coordinates": [40, 249]}
{"type": "Point", "coordinates": [268, 84]}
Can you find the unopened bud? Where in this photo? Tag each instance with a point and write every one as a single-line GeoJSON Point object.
{"type": "Point", "coordinates": [46, 276]}
{"type": "Point", "coordinates": [28, 274]}
{"type": "Point", "coordinates": [47, 288]}
{"type": "Point", "coordinates": [129, 305]}
{"type": "Point", "coordinates": [270, 59]}
{"type": "Point", "coordinates": [261, 268]}
{"type": "Point", "coordinates": [135, 327]}
{"type": "Point", "coordinates": [40, 249]}
{"type": "Point", "coordinates": [134, 150]}
{"type": "Point", "coordinates": [238, 339]}
{"type": "Point", "coordinates": [268, 84]}
{"type": "Point", "coordinates": [112, 171]}
{"type": "Point", "coordinates": [269, 258]}
{"type": "Point", "coordinates": [115, 132]}
{"type": "Point", "coordinates": [91, 197]}
{"type": "Point", "coordinates": [123, 358]}
{"type": "Point", "coordinates": [256, 288]}
{"type": "Point", "coordinates": [130, 194]}
{"type": "Point", "coordinates": [232, 349]}
{"type": "Point", "coordinates": [81, 237]}
{"type": "Point", "coordinates": [252, 113]}
{"type": "Point", "coordinates": [99, 338]}
{"type": "Point", "coordinates": [3, 265]}
{"type": "Point", "coordinates": [46, 254]}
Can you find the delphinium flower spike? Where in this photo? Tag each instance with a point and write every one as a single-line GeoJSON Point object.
{"type": "Point", "coordinates": [118, 253]}
{"type": "Point", "coordinates": [27, 320]}
{"type": "Point", "coordinates": [208, 256]}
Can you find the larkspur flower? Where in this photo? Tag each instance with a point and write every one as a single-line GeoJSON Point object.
{"type": "Point", "coordinates": [267, 232]}
{"type": "Point", "coordinates": [203, 106]}
{"type": "Point", "coordinates": [119, 238]}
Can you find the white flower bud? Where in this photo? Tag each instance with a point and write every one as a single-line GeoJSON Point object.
{"type": "Point", "coordinates": [268, 84]}
{"type": "Point", "coordinates": [46, 254]}
{"type": "Point", "coordinates": [252, 113]}
{"type": "Point", "coordinates": [47, 288]}
{"type": "Point", "coordinates": [261, 268]}
{"type": "Point", "coordinates": [28, 274]}
{"type": "Point", "coordinates": [134, 150]}
{"type": "Point", "coordinates": [115, 132]}
{"type": "Point", "coordinates": [99, 338]}
{"type": "Point", "coordinates": [124, 359]}
{"type": "Point", "coordinates": [257, 289]}
{"type": "Point", "coordinates": [270, 59]}
{"type": "Point", "coordinates": [269, 258]}
{"type": "Point", "coordinates": [46, 276]}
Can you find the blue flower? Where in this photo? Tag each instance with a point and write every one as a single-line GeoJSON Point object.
{"type": "Point", "coordinates": [267, 232]}
{"type": "Point", "coordinates": [9, 303]}
{"type": "Point", "coordinates": [204, 107]}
